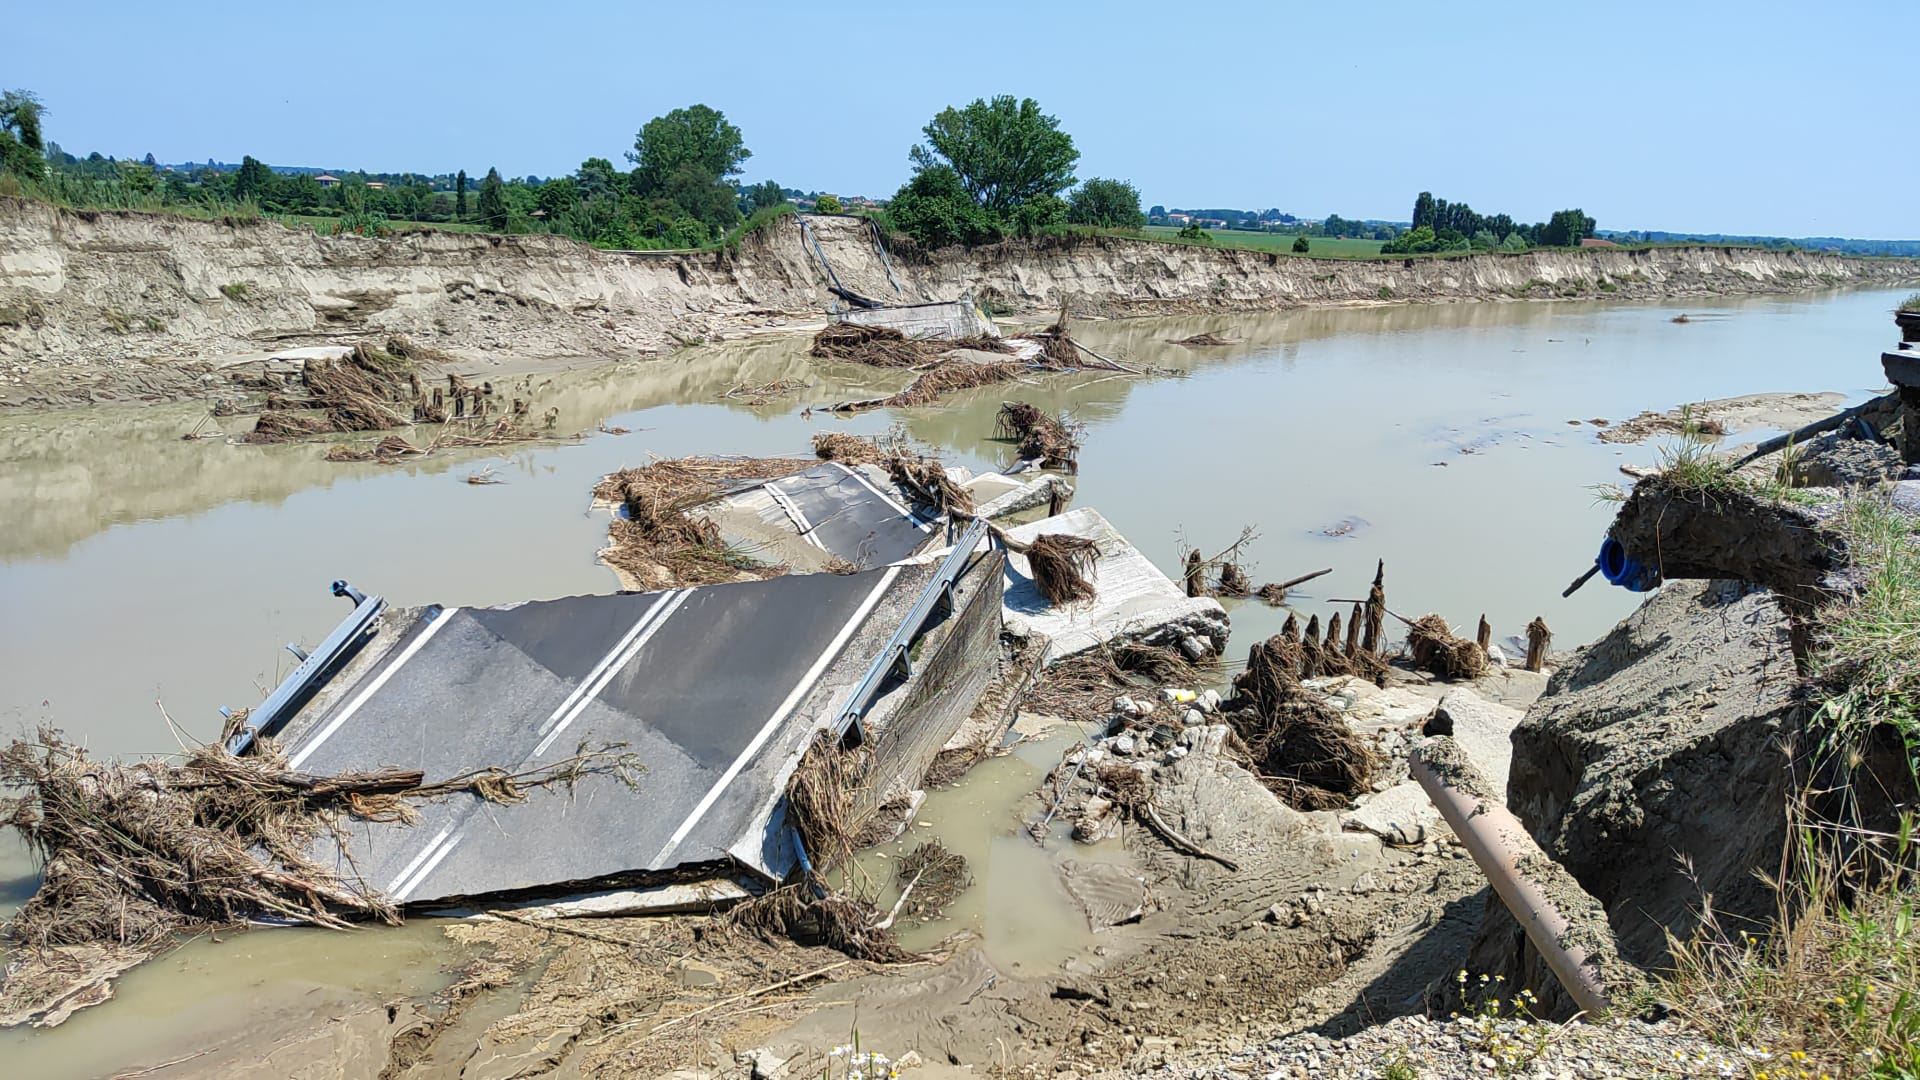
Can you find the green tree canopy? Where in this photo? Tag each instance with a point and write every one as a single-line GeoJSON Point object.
{"type": "Point", "coordinates": [1109, 204]}
{"type": "Point", "coordinates": [697, 136]}
{"type": "Point", "coordinates": [827, 204]}
{"type": "Point", "coordinates": [936, 209]}
{"type": "Point", "coordinates": [493, 201]}
{"type": "Point", "coordinates": [765, 195]}
{"type": "Point", "coordinates": [1003, 151]}
{"type": "Point", "coordinates": [22, 146]}
{"type": "Point", "coordinates": [1301, 246]}
{"type": "Point", "coordinates": [254, 180]}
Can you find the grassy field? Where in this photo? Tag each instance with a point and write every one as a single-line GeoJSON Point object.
{"type": "Point", "coordinates": [1323, 247]}
{"type": "Point", "coordinates": [325, 224]}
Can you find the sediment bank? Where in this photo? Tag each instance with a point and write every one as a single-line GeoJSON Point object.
{"type": "Point", "coordinates": [102, 305]}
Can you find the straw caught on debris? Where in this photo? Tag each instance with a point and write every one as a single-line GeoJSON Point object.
{"type": "Point", "coordinates": [1053, 441]}
{"type": "Point", "coordinates": [136, 853]}
{"type": "Point", "coordinates": [1061, 565]}
{"type": "Point", "coordinates": [1433, 647]}
{"type": "Point", "coordinates": [657, 541]}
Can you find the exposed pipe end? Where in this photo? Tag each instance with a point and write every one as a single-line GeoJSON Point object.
{"type": "Point", "coordinates": [1623, 570]}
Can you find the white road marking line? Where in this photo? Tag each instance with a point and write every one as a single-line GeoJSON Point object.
{"type": "Point", "coordinates": [800, 522]}
{"type": "Point", "coordinates": [627, 639]}
{"type": "Point", "coordinates": [766, 731]}
{"type": "Point", "coordinates": [923, 526]}
{"type": "Point", "coordinates": [407, 889]}
{"type": "Point", "coordinates": [404, 874]}
{"type": "Point", "coordinates": [380, 680]}
{"type": "Point", "coordinates": [626, 657]}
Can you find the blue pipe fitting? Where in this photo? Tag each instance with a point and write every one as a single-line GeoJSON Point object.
{"type": "Point", "coordinates": [1621, 569]}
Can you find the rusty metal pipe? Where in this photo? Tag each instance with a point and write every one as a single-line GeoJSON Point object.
{"type": "Point", "coordinates": [1498, 843]}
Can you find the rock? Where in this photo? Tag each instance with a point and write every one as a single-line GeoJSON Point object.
{"type": "Point", "coordinates": [909, 1060]}
{"type": "Point", "coordinates": [1193, 717]}
{"type": "Point", "coordinates": [1126, 706]}
{"type": "Point", "coordinates": [693, 973]}
{"type": "Point", "coordinates": [1122, 745]}
{"type": "Point", "coordinates": [1906, 496]}
{"type": "Point", "coordinates": [763, 1062]}
{"type": "Point", "coordinates": [1177, 752]}
{"type": "Point", "coordinates": [1656, 746]}
{"type": "Point", "coordinates": [1209, 701]}
{"type": "Point", "coordinates": [1195, 649]}
{"type": "Point", "coordinates": [1481, 727]}
{"type": "Point", "coordinates": [1496, 656]}
{"type": "Point", "coordinates": [1834, 460]}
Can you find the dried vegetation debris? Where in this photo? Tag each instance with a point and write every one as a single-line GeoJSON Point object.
{"type": "Point", "coordinates": [657, 542]}
{"type": "Point", "coordinates": [1053, 441]}
{"type": "Point", "coordinates": [884, 346]}
{"type": "Point", "coordinates": [135, 854]}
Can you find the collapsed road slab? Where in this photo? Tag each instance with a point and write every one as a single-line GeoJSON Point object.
{"type": "Point", "coordinates": [830, 512]}
{"type": "Point", "coordinates": [716, 690]}
{"type": "Point", "coordinates": [1132, 600]}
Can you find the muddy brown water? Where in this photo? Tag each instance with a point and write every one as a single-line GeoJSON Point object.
{"type": "Point", "coordinates": [140, 570]}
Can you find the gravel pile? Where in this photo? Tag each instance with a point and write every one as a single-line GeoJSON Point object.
{"type": "Point", "coordinates": [1478, 1047]}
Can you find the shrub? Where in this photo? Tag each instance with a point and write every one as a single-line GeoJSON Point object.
{"type": "Point", "coordinates": [1106, 204]}
{"type": "Point", "coordinates": [1193, 231]}
{"type": "Point", "coordinates": [234, 290]}
{"type": "Point", "coordinates": [827, 204]}
{"type": "Point", "coordinates": [1040, 215]}
{"type": "Point", "coordinates": [1300, 245]}
{"type": "Point", "coordinates": [935, 210]}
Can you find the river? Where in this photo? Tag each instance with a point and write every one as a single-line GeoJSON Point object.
{"type": "Point", "coordinates": [139, 570]}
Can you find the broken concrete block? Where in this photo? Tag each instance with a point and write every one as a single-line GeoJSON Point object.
{"type": "Point", "coordinates": [1209, 701]}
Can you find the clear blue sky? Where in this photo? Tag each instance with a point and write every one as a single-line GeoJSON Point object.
{"type": "Point", "coordinates": [1749, 117]}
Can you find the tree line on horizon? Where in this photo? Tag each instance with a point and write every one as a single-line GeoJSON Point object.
{"type": "Point", "coordinates": [1439, 225]}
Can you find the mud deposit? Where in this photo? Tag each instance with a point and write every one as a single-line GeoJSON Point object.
{"type": "Point", "coordinates": [140, 567]}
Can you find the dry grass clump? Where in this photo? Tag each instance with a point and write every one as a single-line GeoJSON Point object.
{"type": "Point", "coordinates": [658, 542]}
{"type": "Point", "coordinates": [1433, 647]}
{"type": "Point", "coordinates": [930, 877]}
{"type": "Point", "coordinates": [952, 376]}
{"type": "Point", "coordinates": [848, 449]}
{"type": "Point", "coordinates": [1302, 748]}
{"type": "Point", "coordinates": [1199, 340]}
{"type": "Point", "coordinates": [930, 484]}
{"type": "Point", "coordinates": [1061, 564]}
{"type": "Point", "coordinates": [875, 346]}
{"type": "Point", "coordinates": [1834, 988]}
{"type": "Point", "coordinates": [362, 392]}
{"type": "Point", "coordinates": [1083, 686]}
{"type": "Point", "coordinates": [1054, 441]}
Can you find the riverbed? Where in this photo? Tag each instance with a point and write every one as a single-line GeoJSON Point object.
{"type": "Point", "coordinates": [140, 571]}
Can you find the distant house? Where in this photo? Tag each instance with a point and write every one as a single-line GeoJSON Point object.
{"type": "Point", "coordinates": [1594, 241]}
{"type": "Point", "coordinates": [376, 185]}
{"type": "Point", "coordinates": [326, 181]}
{"type": "Point", "coordinates": [1179, 219]}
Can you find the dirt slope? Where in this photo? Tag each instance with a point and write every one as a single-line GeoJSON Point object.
{"type": "Point", "coordinates": [132, 305]}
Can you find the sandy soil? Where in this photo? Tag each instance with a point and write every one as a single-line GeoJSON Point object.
{"type": "Point", "coordinates": [1730, 416]}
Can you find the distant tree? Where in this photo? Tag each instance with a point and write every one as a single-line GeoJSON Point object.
{"type": "Point", "coordinates": [1484, 240]}
{"type": "Point", "coordinates": [557, 196]}
{"type": "Point", "coordinates": [687, 158]}
{"type": "Point", "coordinates": [697, 135]}
{"type": "Point", "coordinates": [765, 195]}
{"type": "Point", "coordinates": [1414, 241]}
{"type": "Point", "coordinates": [460, 196]}
{"type": "Point", "coordinates": [1514, 242]}
{"type": "Point", "coordinates": [1003, 151]}
{"type": "Point", "coordinates": [936, 210]}
{"type": "Point", "coordinates": [596, 177]}
{"type": "Point", "coordinates": [1157, 211]}
{"type": "Point", "coordinates": [253, 181]}
{"type": "Point", "coordinates": [1566, 228]}
{"type": "Point", "coordinates": [1109, 204]}
{"type": "Point", "coordinates": [1193, 231]}
{"type": "Point", "coordinates": [139, 179]}
{"type": "Point", "coordinates": [1300, 245]}
{"type": "Point", "coordinates": [827, 204]}
{"type": "Point", "coordinates": [493, 201]}
{"type": "Point", "coordinates": [1423, 208]}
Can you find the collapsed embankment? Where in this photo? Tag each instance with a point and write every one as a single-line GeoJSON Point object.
{"type": "Point", "coordinates": [100, 304]}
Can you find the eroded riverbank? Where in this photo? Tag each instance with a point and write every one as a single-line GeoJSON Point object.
{"type": "Point", "coordinates": [1310, 420]}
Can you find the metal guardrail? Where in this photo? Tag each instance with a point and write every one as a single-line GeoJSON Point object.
{"type": "Point", "coordinates": [267, 717]}
{"type": "Point", "coordinates": [893, 656]}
